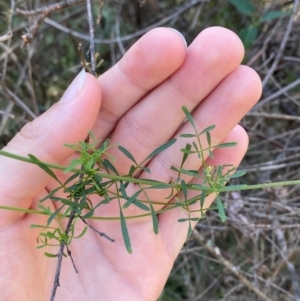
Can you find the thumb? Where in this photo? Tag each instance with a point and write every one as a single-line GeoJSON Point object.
{"type": "Point", "coordinates": [67, 121]}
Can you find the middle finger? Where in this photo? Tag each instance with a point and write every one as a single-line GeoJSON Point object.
{"type": "Point", "coordinates": [214, 54]}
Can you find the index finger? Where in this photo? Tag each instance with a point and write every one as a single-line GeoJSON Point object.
{"type": "Point", "coordinates": [152, 59]}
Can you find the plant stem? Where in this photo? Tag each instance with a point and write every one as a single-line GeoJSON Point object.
{"type": "Point", "coordinates": [56, 283]}
{"type": "Point", "coordinates": [153, 183]}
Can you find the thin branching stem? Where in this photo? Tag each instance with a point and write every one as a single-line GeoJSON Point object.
{"type": "Point", "coordinates": [92, 42]}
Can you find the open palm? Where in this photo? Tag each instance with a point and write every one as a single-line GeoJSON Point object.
{"type": "Point", "coordinates": [137, 103]}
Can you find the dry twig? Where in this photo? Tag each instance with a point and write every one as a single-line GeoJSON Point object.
{"type": "Point", "coordinates": [282, 44]}
{"type": "Point", "coordinates": [215, 251]}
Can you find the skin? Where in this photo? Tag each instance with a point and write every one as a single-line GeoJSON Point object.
{"type": "Point", "coordinates": [138, 104]}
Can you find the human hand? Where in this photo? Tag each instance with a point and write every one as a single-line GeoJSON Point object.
{"type": "Point", "coordinates": [138, 104]}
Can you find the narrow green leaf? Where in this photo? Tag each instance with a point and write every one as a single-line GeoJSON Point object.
{"type": "Point", "coordinates": [153, 181]}
{"type": "Point", "coordinates": [46, 210]}
{"type": "Point", "coordinates": [193, 219]}
{"type": "Point", "coordinates": [92, 211]}
{"type": "Point", "coordinates": [188, 135]}
{"type": "Point", "coordinates": [160, 186]}
{"type": "Point", "coordinates": [50, 255]}
{"type": "Point", "coordinates": [221, 210]}
{"type": "Point", "coordinates": [196, 147]}
{"type": "Point", "coordinates": [123, 191]}
{"type": "Point", "coordinates": [127, 154]}
{"type": "Point", "coordinates": [188, 116]}
{"type": "Point", "coordinates": [132, 199]}
{"type": "Point", "coordinates": [71, 178]}
{"type": "Point", "coordinates": [53, 215]}
{"type": "Point", "coordinates": [185, 155]}
{"type": "Point", "coordinates": [48, 234]}
{"type": "Point", "coordinates": [243, 6]}
{"type": "Point", "coordinates": [160, 149]}
{"type": "Point", "coordinates": [125, 233]}
{"type": "Point", "coordinates": [192, 202]}
{"type": "Point", "coordinates": [190, 230]}
{"type": "Point", "coordinates": [92, 136]}
{"type": "Point", "coordinates": [275, 14]}
{"type": "Point", "coordinates": [202, 199]}
{"type": "Point", "coordinates": [82, 233]}
{"type": "Point", "coordinates": [193, 173]}
{"type": "Point", "coordinates": [76, 187]}
{"type": "Point", "coordinates": [73, 204]}
{"type": "Point", "coordinates": [83, 200]}
{"type": "Point", "coordinates": [208, 129]}
{"type": "Point", "coordinates": [89, 214]}
{"type": "Point", "coordinates": [227, 144]}
{"type": "Point", "coordinates": [132, 170]}
{"type": "Point", "coordinates": [171, 194]}
{"type": "Point", "coordinates": [145, 169]}
{"type": "Point", "coordinates": [208, 138]}
{"type": "Point", "coordinates": [72, 165]}
{"type": "Point", "coordinates": [72, 146]}
{"type": "Point", "coordinates": [109, 166]}
{"type": "Point", "coordinates": [237, 174]}
{"type": "Point", "coordinates": [104, 146]}
{"type": "Point", "coordinates": [141, 205]}
{"type": "Point", "coordinates": [181, 220]}
{"type": "Point", "coordinates": [98, 178]}
{"type": "Point", "coordinates": [56, 199]}
{"type": "Point", "coordinates": [248, 35]}
{"type": "Point", "coordinates": [44, 167]}
{"type": "Point", "coordinates": [154, 219]}
{"type": "Point", "coordinates": [174, 168]}
{"type": "Point", "coordinates": [50, 194]}
{"type": "Point", "coordinates": [219, 172]}
{"type": "Point", "coordinates": [187, 151]}
{"type": "Point", "coordinates": [184, 189]}
{"type": "Point", "coordinates": [34, 226]}
{"type": "Point", "coordinates": [210, 153]}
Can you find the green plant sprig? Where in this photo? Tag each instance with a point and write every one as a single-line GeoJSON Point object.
{"type": "Point", "coordinates": [98, 176]}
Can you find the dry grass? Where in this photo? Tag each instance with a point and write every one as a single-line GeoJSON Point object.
{"type": "Point", "coordinates": [260, 239]}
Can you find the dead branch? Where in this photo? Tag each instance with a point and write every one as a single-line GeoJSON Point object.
{"type": "Point", "coordinates": [215, 251]}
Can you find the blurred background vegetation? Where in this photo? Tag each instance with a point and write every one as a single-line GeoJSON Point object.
{"type": "Point", "coordinates": [259, 241]}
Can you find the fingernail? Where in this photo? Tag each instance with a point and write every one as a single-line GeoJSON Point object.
{"type": "Point", "coordinates": [181, 35]}
{"type": "Point", "coordinates": [75, 88]}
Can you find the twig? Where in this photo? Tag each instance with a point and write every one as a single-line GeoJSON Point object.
{"type": "Point", "coordinates": [83, 61]}
{"type": "Point", "coordinates": [6, 36]}
{"type": "Point", "coordinates": [6, 113]}
{"type": "Point", "coordinates": [17, 101]}
{"type": "Point", "coordinates": [102, 234]}
{"type": "Point", "coordinates": [30, 82]}
{"type": "Point", "coordinates": [99, 18]}
{"type": "Point", "coordinates": [48, 9]}
{"type": "Point", "coordinates": [278, 93]}
{"type": "Point", "coordinates": [283, 251]}
{"type": "Point", "coordinates": [28, 37]}
{"type": "Point", "coordinates": [283, 43]}
{"type": "Point", "coordinates": [71, 257]}
{"type": "Point", "coordinates": [73, 213]}
{"type": "Point", "coordinates": [92, 42]}
{"type": "Point", "coordinates": [128, 37]}
{"type": "Point", "coordinates": [43, 13]}
{"type": "Point", "coordinates": [215, 251]}
{"type": "Point", "coordinates": [274, 116]}
{"type": "Point", "coordinates": [63, 244]}
{"type": "Point", "coordinates": [117, 27]}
